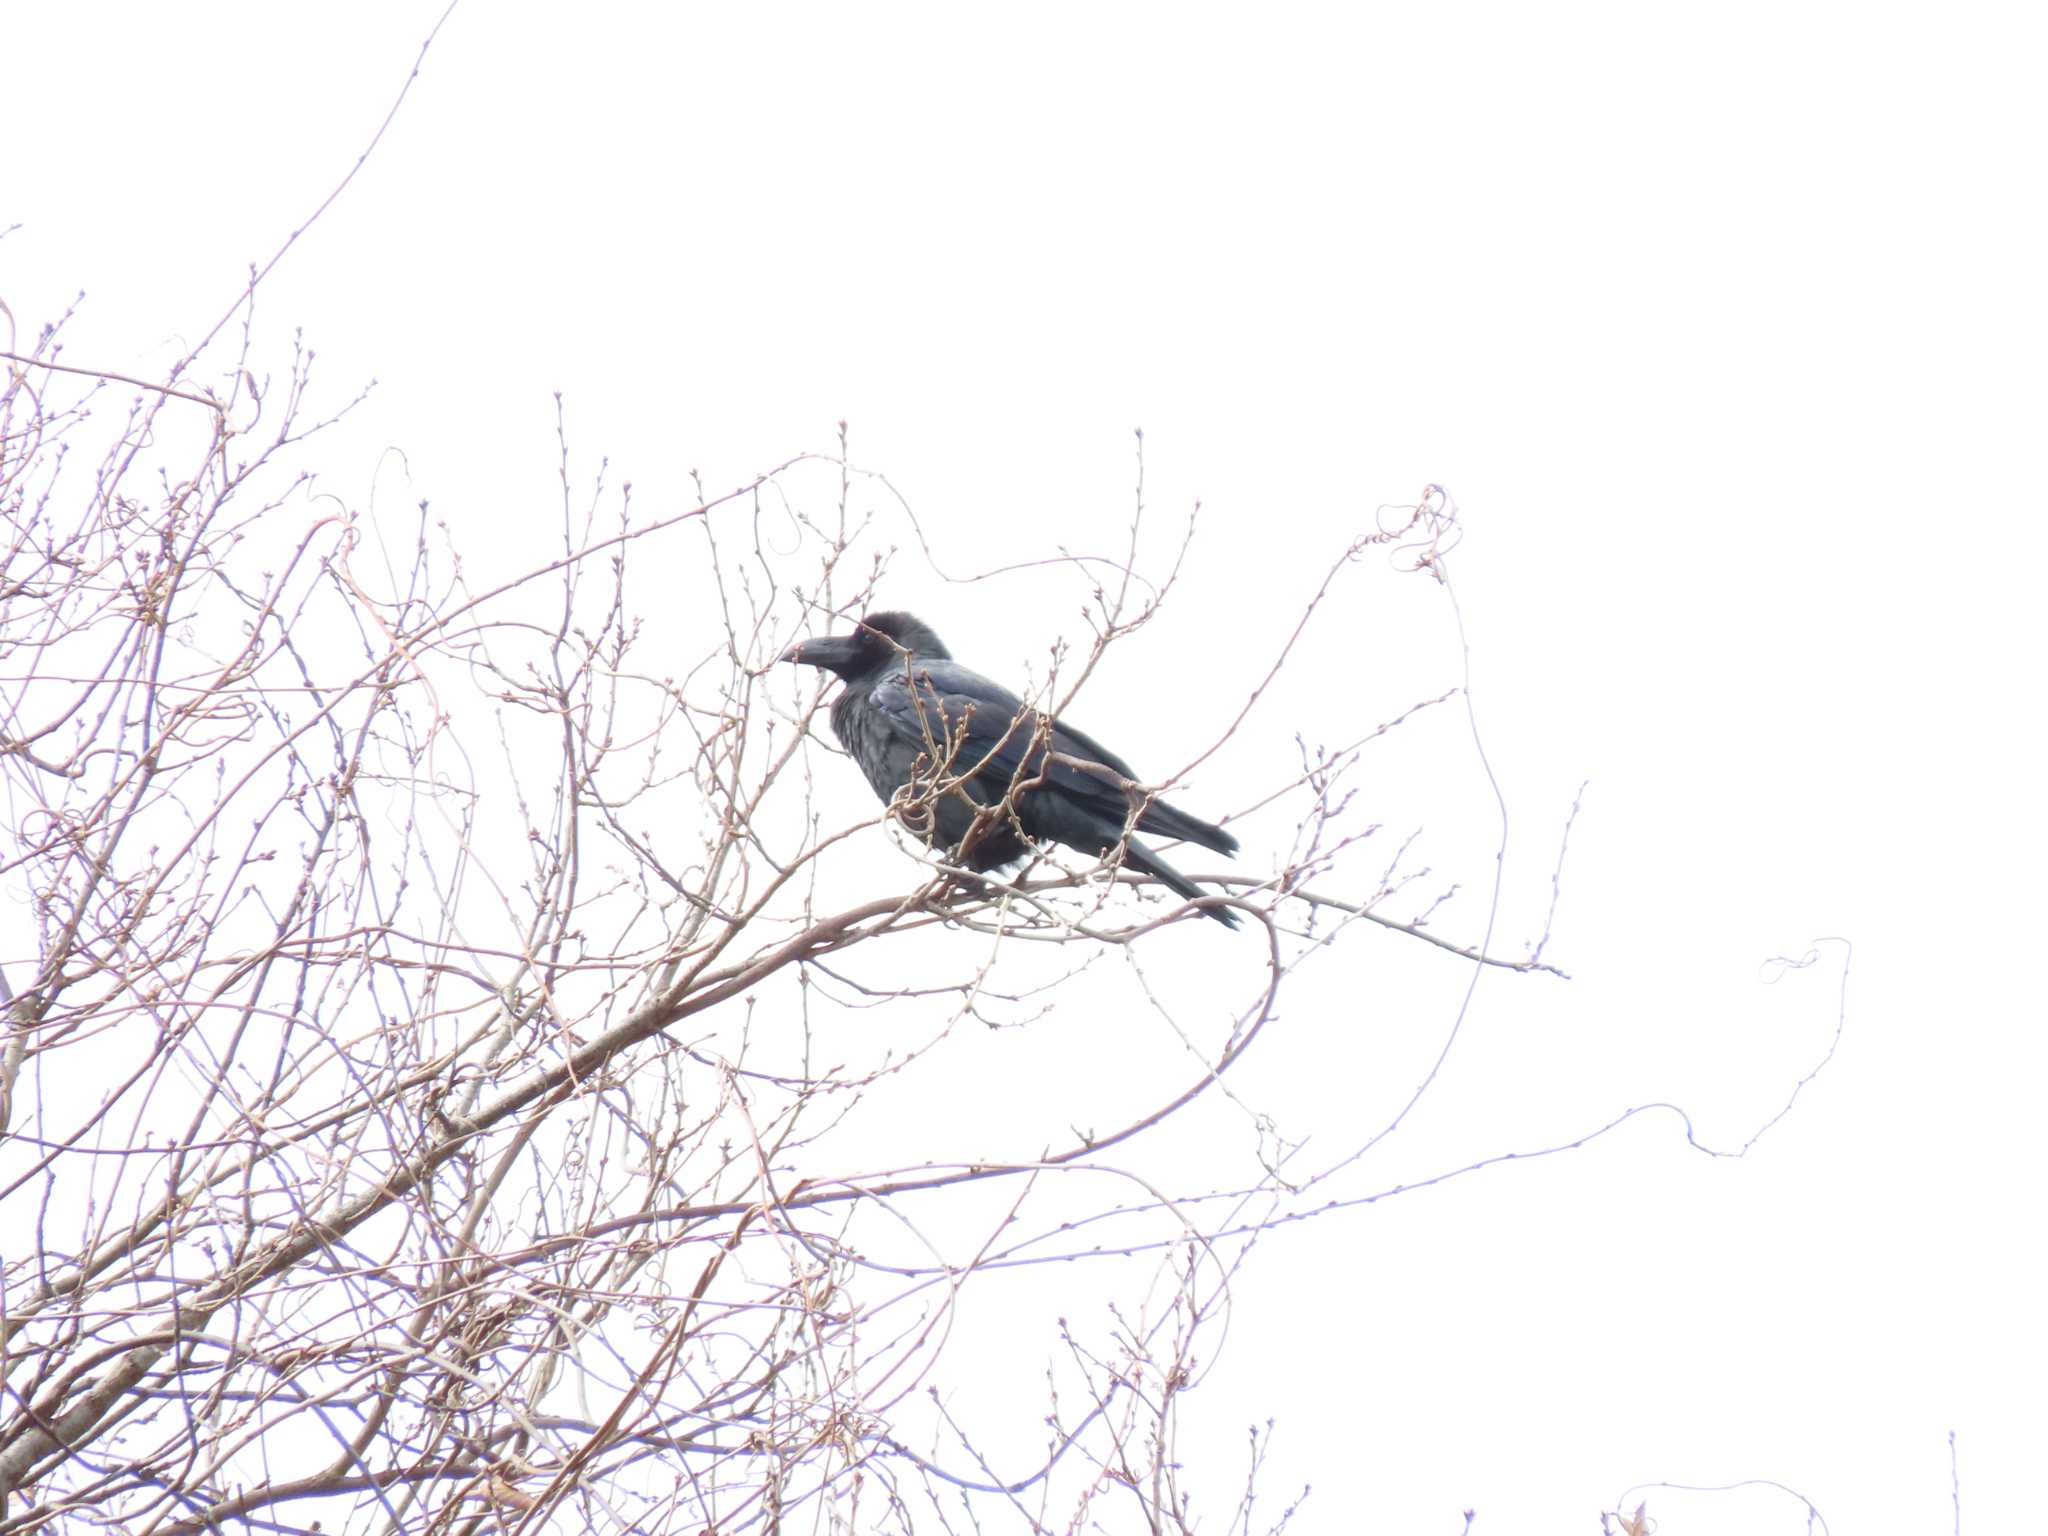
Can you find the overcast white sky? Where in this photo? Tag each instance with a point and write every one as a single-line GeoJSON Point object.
{"type": "Point", "coordinates": [1724, 326]}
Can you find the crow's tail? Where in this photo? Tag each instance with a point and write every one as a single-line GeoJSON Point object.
{"type": "Point", "coordinates": [1137, 856]}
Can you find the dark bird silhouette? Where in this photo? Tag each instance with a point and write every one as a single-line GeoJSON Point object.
{"type": "Point", "coordinates": [911, 715]}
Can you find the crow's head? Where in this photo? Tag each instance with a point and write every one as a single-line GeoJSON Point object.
{"type": "Point", "coordinates": [881, 641]}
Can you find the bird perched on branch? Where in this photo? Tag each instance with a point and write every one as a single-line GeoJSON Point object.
{"type": "Point", "coordinates": [987, 775]}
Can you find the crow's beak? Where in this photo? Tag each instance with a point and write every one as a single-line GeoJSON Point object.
{"type": "Point", "coordinates": [835, 653]}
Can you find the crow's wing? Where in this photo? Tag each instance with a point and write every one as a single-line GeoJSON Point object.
{"type": "Point", "coordinates": [990, 738]}
{"type": "Point", "coordinates": [998, 736]}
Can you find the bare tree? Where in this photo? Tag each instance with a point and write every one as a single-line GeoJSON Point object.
{"type": "Point", "coordinates": [438, 1088]}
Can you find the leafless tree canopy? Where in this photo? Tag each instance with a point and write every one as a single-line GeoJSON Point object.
{"type": "Point", "coordinates": [467, 1065]}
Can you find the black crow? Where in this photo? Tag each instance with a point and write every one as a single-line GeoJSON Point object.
{"type": "Point", "coordinates": [911, 715]}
